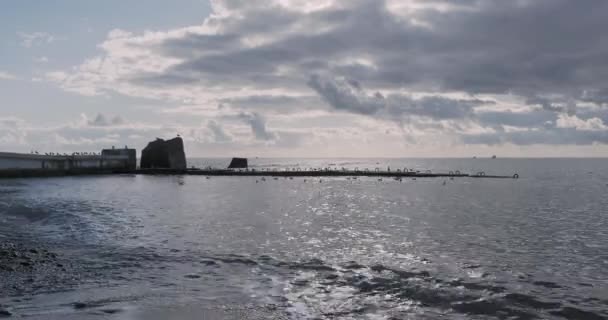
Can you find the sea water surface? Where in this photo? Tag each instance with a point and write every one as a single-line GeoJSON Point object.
{"type": "Point", "coordinates": [192, 247]}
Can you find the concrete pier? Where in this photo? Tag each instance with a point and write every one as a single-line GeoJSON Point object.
{"type": "Point", "coordinates": [31, 165]}
{"type": "Point", "coordinates": [124, 161]}
{"type": "Point", "coordinates": [316, 173]}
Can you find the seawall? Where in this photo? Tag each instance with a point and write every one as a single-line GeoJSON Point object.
{"type": "Point", "coordinates": [314, 173]}
{"type": "Point", "coordinates": [34, 165]}
{"type": "Point", "coordinates": [123, 161]}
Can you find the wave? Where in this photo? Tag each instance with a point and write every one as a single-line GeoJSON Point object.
{"type": "Point", "coordinates": [315, 289]}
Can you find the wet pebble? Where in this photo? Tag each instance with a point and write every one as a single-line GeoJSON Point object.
{"type": "Point", "coordinates": [5, 313]}
{"type": "Point", "coordinates": [111, 311]}
{"type": "Point", "coordinates": [208, 262]}
{"type": "Point", "coordinates": [80, 305]}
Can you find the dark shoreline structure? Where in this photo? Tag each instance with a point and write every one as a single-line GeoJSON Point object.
{"type": "Point", "coordinates": [232, 173]}
{"type": "Point", "coordinates": [164, 154]}
{"type": "Point", "coordinates": [168, 157]}
{"type": "Point", "coordinates": [238, 163]}
{"type": "Point", "coordinates": [16, 165]}
{"type": "Point", "coordinates": [315, 173]}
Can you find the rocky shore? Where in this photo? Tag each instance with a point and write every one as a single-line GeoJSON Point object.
{"type": "Point", "coordinates": [27, 269]}
{"type": "Point", "coordinates": [15, 258]}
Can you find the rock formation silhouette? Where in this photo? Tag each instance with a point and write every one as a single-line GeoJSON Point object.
{"type": "Point", "coordinates": [238, 163]}
{"type": "Point", "coordinates": [164, 154]}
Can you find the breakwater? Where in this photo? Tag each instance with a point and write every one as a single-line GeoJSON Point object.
{"type": "Point", "coordinates": [317, 173]}
{"type": "Point", "coordinates": [36, 165]}
{"type": "Point", "coordinates": [124, 161]}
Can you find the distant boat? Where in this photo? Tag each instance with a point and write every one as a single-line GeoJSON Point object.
{"type": "Point", "coordinates": [494, 157]}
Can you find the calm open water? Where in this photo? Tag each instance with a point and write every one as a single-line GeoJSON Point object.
{"type": "Point", "coordinates": [187, 247]}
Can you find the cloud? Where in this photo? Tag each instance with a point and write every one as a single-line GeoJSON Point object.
{"type": "Point", "coordinates": [566, 136]}
{"type": "Point", "coordinates": [348, 95]}
{"type": "Point", "coordinates": [592, 124]}
{"type": "Point", "coordinates": [532, 119]}
{"type": "Point", "coordinates": [597, 96]}
{"type": "Point", "coordinates": [42, 59]}
{"type": "Point", "coordinates": [83, 134]}
{"type": "Point", "coordinates": [31, 39]}
{"type": "Point", "coordinates": [555, 106]}
{"type": "Point", "coordinates": [7, 76]}
{"type": "Point", "coordinates": [218, 133]}
{"type": "Point", "coordinates": [11, 131]}
{"type": "Point", "coordinates": [464, 50]}
{"type": "Point", "coordinates": [450, 70]}
{"type": "Point", "coordinates": [277, 104]}
{"type": "Point", "coordinates": [258, 126]}
{"type": "Point", "coordinates": [102, 121]}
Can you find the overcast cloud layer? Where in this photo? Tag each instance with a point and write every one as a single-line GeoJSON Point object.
{"type": "Point", "coordinates": [321, 75]}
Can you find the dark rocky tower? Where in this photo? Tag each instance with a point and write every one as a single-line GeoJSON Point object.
{"type": "Point", "coordinates": [164, 154]}
{"type": "Point", "coordinates": [238, 163]}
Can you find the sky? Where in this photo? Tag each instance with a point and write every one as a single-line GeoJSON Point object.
{"type": "Point", "coordinates": [307, 78]}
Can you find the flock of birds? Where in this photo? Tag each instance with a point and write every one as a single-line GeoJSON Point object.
{"type": "Point", "coordinates": [343, 169]}
{"type": "Point", "coordinates": [400, 179]}
{"type": "Point", "coordinates": [66, 154]}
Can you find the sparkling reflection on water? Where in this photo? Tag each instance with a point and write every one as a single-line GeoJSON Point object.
{"type": "Point", "coordinates": [325, 248]}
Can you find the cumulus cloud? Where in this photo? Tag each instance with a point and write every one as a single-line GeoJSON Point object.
{"type": "Point", "coordinates": [441, 67]}
{"type": "Point", "coordinates": [592, 124]}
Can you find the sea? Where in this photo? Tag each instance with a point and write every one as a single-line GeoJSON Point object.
{"type": "Point", "coordinates": [197, 247]}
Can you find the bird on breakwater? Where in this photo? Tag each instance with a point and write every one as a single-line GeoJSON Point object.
{"type": "Point", "coordinates": [207, 177]}
{"type": "Point", "coordinates": [444, 182]}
